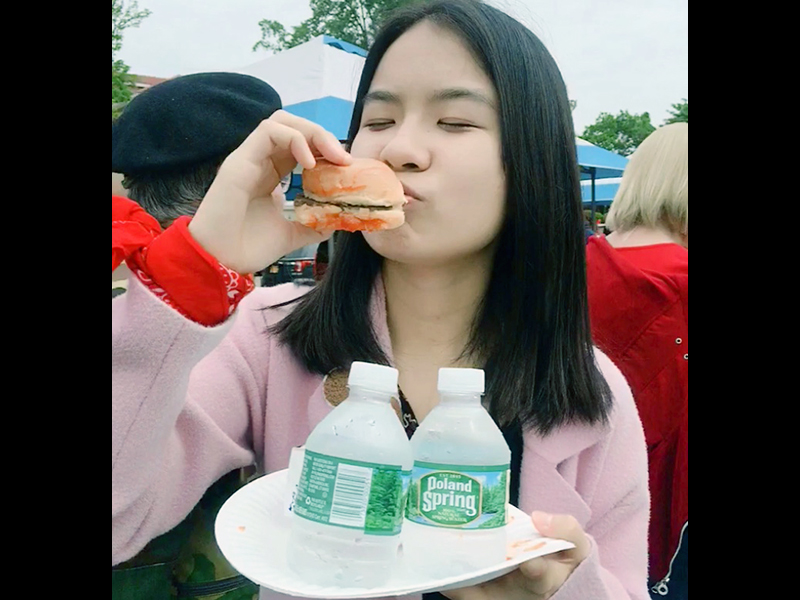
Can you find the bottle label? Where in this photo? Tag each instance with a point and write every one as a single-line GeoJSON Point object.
{"type": "Point", "coordinates": [356, 495]}
{"type": "Point", "coordinates": [460, 497]}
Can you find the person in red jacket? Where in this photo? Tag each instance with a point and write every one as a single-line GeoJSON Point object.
{"type": "Point", "coordinates": [638, 282]}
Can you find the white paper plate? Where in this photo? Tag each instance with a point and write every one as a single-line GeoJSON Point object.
{"type": "Point", "coordinates": [253, 531]}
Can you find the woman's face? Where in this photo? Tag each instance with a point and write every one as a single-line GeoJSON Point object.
{"type": "Point", "coordinates": [431, 115]}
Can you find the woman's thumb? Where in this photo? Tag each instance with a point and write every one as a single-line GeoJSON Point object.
{"type": "Point", "coordinates": [543, 522]}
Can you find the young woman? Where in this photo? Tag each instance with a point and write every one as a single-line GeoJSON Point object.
{"type": "Point", "coordinates": [470, 111]}
{"type": "Point", "coordinates": [638, 281]}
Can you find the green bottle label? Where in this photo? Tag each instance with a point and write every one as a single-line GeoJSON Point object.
{"type": "Point", "coordinates": [369, 497]}
{"type": "Point", "coordinates": [461, 497]}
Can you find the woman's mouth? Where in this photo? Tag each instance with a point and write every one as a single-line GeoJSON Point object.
{"type": "Point", "coordinates": [411, 196]}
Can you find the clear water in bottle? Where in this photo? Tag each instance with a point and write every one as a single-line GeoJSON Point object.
{"type": "Point", "coordinates": [350, 501]}
{"type": "Point", "coordinates": [458, 497]}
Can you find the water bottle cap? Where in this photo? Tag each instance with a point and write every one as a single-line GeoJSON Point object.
{"type": "Point", "coordinates": [373, 377]}
{"type": "Point", "coordinates": [461, 381]}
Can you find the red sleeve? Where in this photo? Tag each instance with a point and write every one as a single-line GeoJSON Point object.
{"type": "Point", "coordinates": [180, 272]}
{"type": "Point", "coordinates": [131, 229]}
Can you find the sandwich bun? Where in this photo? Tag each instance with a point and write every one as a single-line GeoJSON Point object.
{"type": "Point", "coordinates": [363, 196]}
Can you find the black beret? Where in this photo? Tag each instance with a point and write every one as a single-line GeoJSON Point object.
{"type": "Point", "coordinates": [189, 120]}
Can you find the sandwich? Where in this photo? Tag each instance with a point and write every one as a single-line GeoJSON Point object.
{"type": "Point", "coordinates": [363, 196]}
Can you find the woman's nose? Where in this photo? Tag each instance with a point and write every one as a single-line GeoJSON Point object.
{"type": "Point", "coordinates": [406, 150]}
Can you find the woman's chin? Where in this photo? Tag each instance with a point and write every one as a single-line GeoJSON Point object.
{"type": "Point", "coordinates": [392, 242]}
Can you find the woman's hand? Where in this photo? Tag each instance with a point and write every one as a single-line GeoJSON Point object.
{"type": "Point", "coordinates": [540, 578]}
{"type": "Point", "coordinates": [240, 222]}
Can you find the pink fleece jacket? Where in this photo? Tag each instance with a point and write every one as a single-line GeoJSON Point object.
{"type": "Point", "coordinates": [191, 403]}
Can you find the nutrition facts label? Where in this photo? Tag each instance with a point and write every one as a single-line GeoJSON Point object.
{"type": "Point", "coordinates": [352, 494]}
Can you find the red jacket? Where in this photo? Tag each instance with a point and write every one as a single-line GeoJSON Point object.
{"type": "Point", "coordinates": [639, 308]}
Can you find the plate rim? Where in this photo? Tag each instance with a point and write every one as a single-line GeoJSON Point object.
{"type": "Point", "coordinates": [440, 584]}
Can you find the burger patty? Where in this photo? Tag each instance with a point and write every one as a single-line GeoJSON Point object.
{"type": "Point", "coordinates": [300, 200]}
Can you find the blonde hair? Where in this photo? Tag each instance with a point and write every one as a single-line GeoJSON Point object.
{"type": "Point", "coordinates": [655, 186]}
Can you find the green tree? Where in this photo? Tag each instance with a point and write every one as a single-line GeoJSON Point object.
{"type": "Point", "coordinates": [412, 501]}
{"type": "Point", "coordinates": [354, 21]}
{"type": "Point", "coordinates": [496, 521]}
{"type": "Point", "coordinates": [123, 16]}
{"type": "Point", "coordinates": [494, 496]}
{"type": "Point", "coordinates": [620, 133]}
{"type": "Point", "coordinates": [679, 112]}
{"type": "Point", "coordinates": [120, 92]}
{"type": "Point", "coordinates": [385, 501]}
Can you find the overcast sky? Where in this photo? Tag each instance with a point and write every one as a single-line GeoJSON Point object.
{"type": "Point", "coordinates": [614, 54]}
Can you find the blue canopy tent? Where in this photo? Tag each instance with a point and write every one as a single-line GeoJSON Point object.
{"type": "Point", "coordinates": [598, 163]}
{"type": "Point", "coordinates": [605, 190]}
{"type": "Point", "coordinates": [333, 111]}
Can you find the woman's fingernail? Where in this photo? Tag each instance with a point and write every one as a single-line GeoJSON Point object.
{"type": "Point", "coordinates": [544, 519]}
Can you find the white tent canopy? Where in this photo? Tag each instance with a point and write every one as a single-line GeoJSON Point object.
{"type": "Point", "coordinates": [317, 80]}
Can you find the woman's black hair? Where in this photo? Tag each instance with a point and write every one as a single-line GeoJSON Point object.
{"type": "Point", "coordinates": [532, 331]}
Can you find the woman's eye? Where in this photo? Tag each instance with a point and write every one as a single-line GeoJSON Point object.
{"type": "Point", "coordinates": [455, 125]}
{"type": "Point", "coordinates": [378, 125]}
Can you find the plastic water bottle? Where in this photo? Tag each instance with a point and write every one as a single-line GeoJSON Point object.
{"type": "Point", "coordinates": [350, 501]}
{"type": "Point", "coordinates": [456, 511]}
